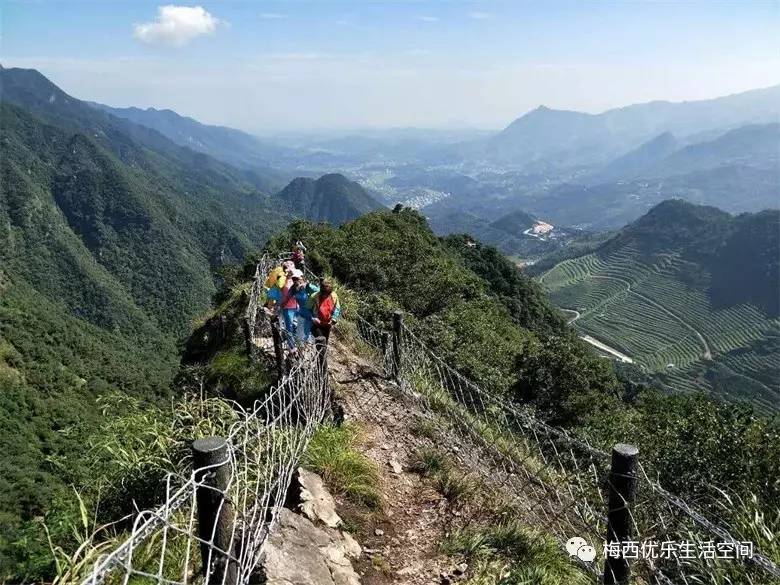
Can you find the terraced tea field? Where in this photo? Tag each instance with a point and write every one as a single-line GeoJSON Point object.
{"type": "Point", "coordinates": [657, 312]}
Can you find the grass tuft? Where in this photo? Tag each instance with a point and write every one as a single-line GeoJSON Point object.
{"type": "Point", "coordinates": [510, 553]}
{"type": "Point", "coordinates": [346, 471]}
{"type": "Point", "coordinates": [428, 462]}
{"type": "Point", "coordinates": [456, 488]}
{"type": "Point", "coordinates": [423, 427]}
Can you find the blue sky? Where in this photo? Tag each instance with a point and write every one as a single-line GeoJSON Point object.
{"type": "Point", "coordinates": [269, 66]}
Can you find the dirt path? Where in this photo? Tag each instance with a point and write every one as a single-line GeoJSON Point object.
{"type": "Point", "coordinates": [404, 547]}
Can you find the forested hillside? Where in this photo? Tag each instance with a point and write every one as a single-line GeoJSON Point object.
{"type": "Point", "coordinates": [332, 198]}
{"type": "Point", "coordinates": [109, 236]}
{"type": "Point", "coordinates": [491, 322]}
{"type": "Point", "coordinates": [226, 144]}
{"type": "Point", "coordinates": [689, 292]}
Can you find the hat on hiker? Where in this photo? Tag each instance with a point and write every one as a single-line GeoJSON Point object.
{"type": "Point", "coordinates": [297, 273]}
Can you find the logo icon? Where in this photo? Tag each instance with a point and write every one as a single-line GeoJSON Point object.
{"type": "Point", "coordinates": [579, 547]}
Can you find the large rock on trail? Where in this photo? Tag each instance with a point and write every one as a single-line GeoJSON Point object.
{"type": "Point", "coordinates": [300, 553]}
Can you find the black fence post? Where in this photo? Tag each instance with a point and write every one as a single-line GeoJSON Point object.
{"type": "Point", "coordinates": [622, 493]}
{"type": "Point", "coordinates": [278, 349]}
{"type": "Point", "coordinates": [398, 321]}
{"type": "Point", "coordinates": [385, 345]}
{"type": "Point", "coordinates": [211, 462]}
{"type": "Point", "coordinates": [248, 333]}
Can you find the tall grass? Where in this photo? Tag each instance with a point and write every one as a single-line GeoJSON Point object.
{"type": "Point", "coordinates": [129, 458]}
{"type": "Point", "coordinates": [333, 454]}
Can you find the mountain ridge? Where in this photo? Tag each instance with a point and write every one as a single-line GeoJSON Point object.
{"type": "Point", "coordinates": [579, 138]}
{"type": "Point", "coordinates": [331, 197]}
{"type": "Point", "coordinates": [229, 145]}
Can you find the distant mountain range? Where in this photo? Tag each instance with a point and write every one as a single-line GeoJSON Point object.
{"type": "Point", "coordinates": [737, 170]}
{"type": "Point", "coordinates": [593, 171]}
{"type": "Point", "coordinates": [558, 138]}
{"type": "Point", "coordinates": [226, 144]}
{"type": "Point", "coordinates": [332, 198]}
{"type": "Point", "coordinates": [600, 172]}
{"type": "Point", "coordinates": [754, 145]}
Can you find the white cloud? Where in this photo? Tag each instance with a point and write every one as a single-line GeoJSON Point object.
{"type": "Point", "coordinates": [428, 18]}
{"type": "Point", "coordinates": [480, 15]}
{"type": "Point", "coordinates": [176, 25]}
{"type": "Point", "coordinates": [272, 15]}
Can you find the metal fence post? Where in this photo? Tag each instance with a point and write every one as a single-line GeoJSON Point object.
{"type": "Point", "coordinates": [278, 349]}
{"type": "Point", "coordinates": [622, 492]}
{"type": "Point", "coordinates": [211, 462]}
{"type": "Point", "coordinates": [398, 320]}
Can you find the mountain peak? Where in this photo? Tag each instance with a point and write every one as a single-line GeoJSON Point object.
{"type": "Point", "coordinates": [331, 197]}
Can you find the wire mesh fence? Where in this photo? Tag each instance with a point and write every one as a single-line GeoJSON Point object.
{"type": "Point", "coordinates": [215, 518]}
{"type": "Point", "coordinates": [563, 484]}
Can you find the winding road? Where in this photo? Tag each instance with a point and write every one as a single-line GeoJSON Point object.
{"type": "Point", "coordinates": [595, 342]}
{"type": "Point", "coordinates": [707, 353]}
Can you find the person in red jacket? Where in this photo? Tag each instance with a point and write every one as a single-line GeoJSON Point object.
{"type": "Point", "coordinates": [325, 308]}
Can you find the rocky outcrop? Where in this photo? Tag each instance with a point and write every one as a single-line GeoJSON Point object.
{"type": "Point", "coordinates": [300, 553]}
{"type": "Point", "coordinates": [306, 548]}
{"type": "Point", "coordinates": [316, 502]}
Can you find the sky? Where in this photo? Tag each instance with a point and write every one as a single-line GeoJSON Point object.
{"type": "Point", "coordinates": [266, 66]}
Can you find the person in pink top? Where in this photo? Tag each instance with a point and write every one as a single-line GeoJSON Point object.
{"type": "Point", "coordinates": [289, 305]}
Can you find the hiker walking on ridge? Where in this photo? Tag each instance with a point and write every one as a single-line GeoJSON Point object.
{"type": "Point", "coordinates": [289, 306]}
{"type": "Point", "coordinates": [325, 308]}
{"type": "Point", "coordinates": [275, 282]}
{"type": "Point", "coordinates": [298, 257]}
{"type": "Point", "coordinates": [304, 291]}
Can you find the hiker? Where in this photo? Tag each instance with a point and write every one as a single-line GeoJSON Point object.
{"type": "Point", "coordinates": [298, 257]}
{"type": "Point", "coordinates": [289, 305]}
{"type": "Point", "coordinates": [275, 282]}
{"type": "Point", "coordinates": [304, 291]}
{"type": "Point", "coordinates": [325, 308]}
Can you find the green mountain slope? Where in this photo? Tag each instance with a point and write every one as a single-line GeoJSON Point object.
{"type": "Point", "coordinates": [487, 319]}
{"type": "Point", "coordinates": [514, 223]}
{"type": "Point", "coordinates": [690, 293]}
{"type": "Point", "coordinates": [226, 144]}
{"type": "Point", "coordinates": [109, 235]}
{"type": "Point", "coordinates": [332, 198]}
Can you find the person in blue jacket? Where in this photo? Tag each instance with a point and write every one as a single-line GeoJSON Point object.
{"type": "Point", "coordinates": [304, 290]}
